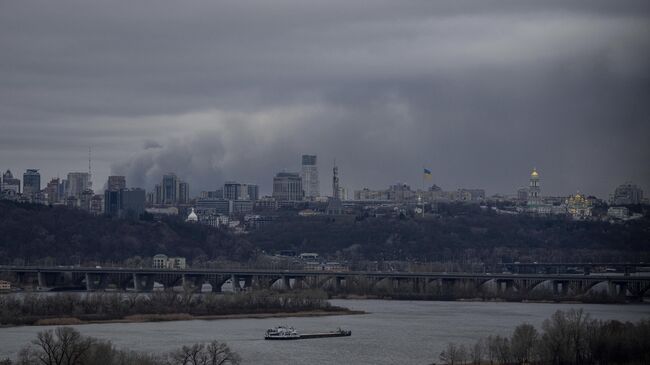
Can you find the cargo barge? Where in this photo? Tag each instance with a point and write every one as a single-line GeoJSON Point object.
{"type": "Point", "coordinates": [289, 333]}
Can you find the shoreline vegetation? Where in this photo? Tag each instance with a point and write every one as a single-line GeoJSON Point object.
{"type": "Point", "coordinates": [82, 308]}
{"type": "Point", "coordinates": [566, 338]}
{"type": "Point", "coordinates": [142, 318]}
{"type": "Point", "coordinates": [66, 346]}
{"type": "Point", "coordinates": [584, 299]}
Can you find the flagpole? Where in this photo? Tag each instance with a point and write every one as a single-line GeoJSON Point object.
{"type": "Point", "coordinates": [422, 191]}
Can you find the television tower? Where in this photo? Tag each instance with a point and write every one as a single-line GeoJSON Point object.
{"type": "Point", "coordinates": [335, 181]}
{"type": "Point", "coordinates": [90, 183]}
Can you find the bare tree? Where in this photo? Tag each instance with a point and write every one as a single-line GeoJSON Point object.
{"type": "Point", "coordinates": [453, 354]}
{"type": "Point", "coordinates": [524, 339]}
{"type": "Point", "coordinates": [215, 353]}
{"type": "Point", "coordinates": [221, 354]}
{"type": "Point", "coordinates": [477, 351]}
{"type": "Point", "coordinates": [63, 346]}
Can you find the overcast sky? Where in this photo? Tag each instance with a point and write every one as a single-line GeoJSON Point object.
{"type": "Point", "coordinates": [480, 92]}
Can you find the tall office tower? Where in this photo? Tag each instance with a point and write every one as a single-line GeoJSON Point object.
{"type": "Point", "coordinates": [97, 204]}
{"type": "Point", "coordinates": [63, 188]}
{"type": "Point", "coordinates": [335, 182]}
{"type": "Point", "coordinates": [627, 194]}
{"type": "Point", "coordinates": [52, 191]}
{"type": "Point", "coordinates": [10, 183]}
{"type": "Point", "coordinates": [78, 182]}
{"type": "Point", "coordinates": [170, 189]}
{"type": "Point", "coordinates": [85, 199]}
{"type": "Point", "coordinates": [287, 186]}
{"type": "Point", "coordinates": [150, 198]}
{"type": "Point", "coordinates": [234, 191]}
{"type": "Point", "coordinates": [183, 192]}
{"type": "Point", "coordinates": [534, 189]}
{"type": "Point", "coordinates": [158, 197]}
{"type": "Point", "coordinates": [116, 183]}
{"type": "Point", "coordinates": [253, 192]}
{"type": "Point", "coordinates": [124, 203]}
{"type": "Point", "coordinates": [309, 174]}
{"type": "Point", "coordinates": [31, 183]}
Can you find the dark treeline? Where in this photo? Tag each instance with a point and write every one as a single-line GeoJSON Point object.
{"type": "Point", "coordinates": [567, 338]}
{"type": "Point", "coordinates": [32, 308]}
{"type": "Point", "coordinates": [37, 234]}
{"type": "Point", "coordinates": [459, 234]}
{"type": "Point", "coordinates": [66, 346]}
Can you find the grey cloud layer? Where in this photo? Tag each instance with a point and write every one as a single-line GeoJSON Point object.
{"type": "Point", "coordinates": [480, 91]}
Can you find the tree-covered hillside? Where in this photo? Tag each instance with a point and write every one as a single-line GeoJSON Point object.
{"type": "Point", "coordinates": [38, 234]}
{"type": "Point", "coordinates": [471, 235]}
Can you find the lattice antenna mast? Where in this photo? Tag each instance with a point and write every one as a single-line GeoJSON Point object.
{"type": "Point", "coordinates": [90, 183]}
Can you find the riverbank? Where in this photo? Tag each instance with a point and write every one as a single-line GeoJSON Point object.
{"type": "Point", "coordinates": [142, 318]}
{"type": "Point", "coordinates": [78, 308]}
{"type": "Point", "coordinates": [431, 298]}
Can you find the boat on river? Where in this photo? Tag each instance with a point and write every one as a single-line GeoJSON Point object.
{"type": "Point", "coordinates": [290, 333]}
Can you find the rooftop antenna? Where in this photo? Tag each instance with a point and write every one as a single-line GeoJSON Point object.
{"type": "Point", "coordinates": [90, 184]}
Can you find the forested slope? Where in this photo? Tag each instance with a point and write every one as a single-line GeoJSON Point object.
{"type": "Point", "coordinates": [67, 236]}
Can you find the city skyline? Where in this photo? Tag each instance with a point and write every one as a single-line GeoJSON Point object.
{"type": "Point", "coordinates": [423, 184]}
{"type": "Point", "coordinates": [478, 93]}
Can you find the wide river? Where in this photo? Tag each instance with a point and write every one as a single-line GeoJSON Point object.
{"type": "Point", "coordinates": [393, 332]}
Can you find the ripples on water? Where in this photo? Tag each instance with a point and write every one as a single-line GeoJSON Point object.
{"type": "Point", "coordinates": [394, 332]}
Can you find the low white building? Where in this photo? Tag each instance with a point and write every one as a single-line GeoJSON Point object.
{"type": "Point", "coordinates": [618, 212]}
{"type": "Point", "coordinates": [161, 261]}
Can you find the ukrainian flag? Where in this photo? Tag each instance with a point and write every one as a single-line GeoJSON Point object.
{"type": "Point", "coordinates": [427, 173]}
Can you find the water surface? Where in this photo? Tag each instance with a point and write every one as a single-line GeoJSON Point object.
{"type": "Point", "coordinates": [393, 332]}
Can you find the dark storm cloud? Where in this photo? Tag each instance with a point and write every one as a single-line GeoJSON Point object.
{"type": "Point", "coordinates": [480, 91]}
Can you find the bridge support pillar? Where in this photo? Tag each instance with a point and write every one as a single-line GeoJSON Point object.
{"type": "Point", "coordinates": [560, 288]}
{"type": "Point", "coordinates": [142, 282]}
{"type": "Point", "coordinates": [617, 289]}
{"type": "Point", "coordinates": [47, 279]}
{"type": "Point", "coordinates": [95, 281]}
{"type": "Point", "coordinates": [286, 283]}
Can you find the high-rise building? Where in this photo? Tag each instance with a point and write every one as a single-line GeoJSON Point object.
{"type": "Point", "coordinates": [9, 183]}
{"type": "Point", "coordinates": [77, 183]}
{"type": "Point", "coordinates": [183, 192]}
{"type": "Point", "coordinates": [31, 183]}
{"type": "Point", "coordinates": [287, 186]}
{"type": "Point", "coordinates": [52, 191]}
{"type": "Point", "coordinates": [534, 189]}
{"type": "Point", "coordinates": [169, 189]}
{"type": "Point", "coordinates": [235, 191]}
{"type": "Point", "coordinates": [63, 188]}
{"type": "Point", "coordinates": [124, 203]}
{"type": "Point", "coordinates": [253, 192]}
{"type": "Point", "coordinates": [627, 194]}
{"type": "Point", "coordinates": [97, 204]}
{"type": "Point", "coordinates": [158, 197]}
{"type": "Point", "coordinates": [132, 203]}
{"type": "Point", "coordinates": [309, 174]}
{"type": "Point", "coordinates": [116, 183]}
{"type": "Point", "coordinates": [85, 200]}
{"type": "Point", "coordinates": [215, 194]}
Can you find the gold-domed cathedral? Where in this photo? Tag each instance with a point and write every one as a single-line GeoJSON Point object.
{"type": "Point", "coordinates": [578, 206]}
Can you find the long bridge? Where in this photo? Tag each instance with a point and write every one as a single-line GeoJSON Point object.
{"type": "Point", "coordinates": [143, 280]}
